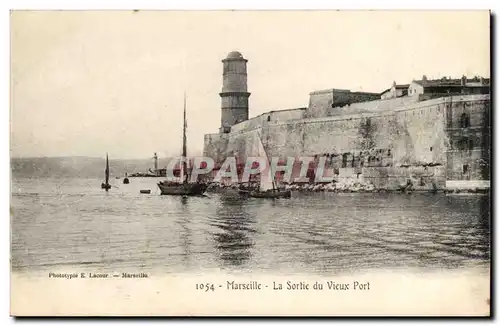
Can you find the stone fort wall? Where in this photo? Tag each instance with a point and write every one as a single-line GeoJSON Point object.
{"type": "Point", "coordinates": [384, 141]}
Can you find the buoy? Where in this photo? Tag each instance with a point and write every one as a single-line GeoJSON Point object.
{"type": "Point", "coordinates": [145, 191]}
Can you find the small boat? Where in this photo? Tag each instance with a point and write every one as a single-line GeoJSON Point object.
{"type": "Point", "coordinates": [145, 191]}
{"type": "Point", "coordinates": [125, 180]}
{"type": "Point", "coordinates": [243, 192]}
{"type": "Point", "coordinates": [245, 189]}
{"type": "Point", "coordinates": [273, 193]}
{"type": "Point", "coordinates": [143, 175]}
{"type": "Point", "coordinates": [183, 188]}
{"type": "Point", "coordinates": [105, 185]}
{"type": "Point", "coordinates": [267, 188]}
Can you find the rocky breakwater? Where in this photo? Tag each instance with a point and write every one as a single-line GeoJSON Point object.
{"type": "Point", "coordinates": [343, 186]}
{"type": "Point", "coordinates": [347, 185]}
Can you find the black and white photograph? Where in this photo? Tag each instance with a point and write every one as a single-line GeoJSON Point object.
{"type": "Point", "coordinates": [250, 162]}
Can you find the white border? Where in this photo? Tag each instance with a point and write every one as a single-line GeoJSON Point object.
{"type": "Point", "coordinates": [253, 5]}
{"type": "Point", "coordinates": [187, 5]}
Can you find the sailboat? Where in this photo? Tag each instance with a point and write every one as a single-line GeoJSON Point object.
{"type": "Point", "coordinates": [183, 188]}
{"type": "Point", "coordinates": [105, 185]}
{"type": "Point", "coordinates": [267, 186]}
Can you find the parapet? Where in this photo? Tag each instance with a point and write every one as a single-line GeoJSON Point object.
{"type": "Point", "coordinates": [330, 91]}
{"type": "Point", "coordinates": [320, 102]}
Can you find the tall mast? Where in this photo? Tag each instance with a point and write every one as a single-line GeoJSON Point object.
{"type": "Point", "coordinates": [184, 143]}
{"type": "Point", "coordinates": [107, 169]}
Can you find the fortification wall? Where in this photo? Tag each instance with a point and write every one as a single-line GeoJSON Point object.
{"type": "Point", "coordinates": [284, 139]}
{"type": "Point", "coordinates": [215, 146]}
{"type": "Point", "coordinates": [249, 124]}
{"type": "Point", "coordinates": [338, 135]}
{"type": "Point", "coordinates": [409, 134]}
{"type": "Point", "coordinates": [272, 116]}
{"type": "Point", "coordinates": [386, 147]}
{"type": "Point", "coordinates": [240, 145]}
{"type": "Point", "coordinates": [371, 106]}
{"type": "Point", "coordinates": [418, 134]}
{"type": "Point", "coordinates": [285, 115]}
{"type": "Point", "coordinates": [468, 155]}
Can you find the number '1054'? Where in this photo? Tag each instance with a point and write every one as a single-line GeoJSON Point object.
{"type": "Point", "coordinates": [205, 287]}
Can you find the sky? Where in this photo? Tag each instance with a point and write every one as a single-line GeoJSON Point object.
{"type": "Point", "coordinates": [84, 83]}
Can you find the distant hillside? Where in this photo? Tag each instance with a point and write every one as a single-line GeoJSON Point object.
{"type": "Point", "coordinates": [78, 166]}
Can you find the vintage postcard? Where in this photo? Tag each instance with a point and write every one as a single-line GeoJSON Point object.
{"type": "Point", "coordinates": [250, 163]}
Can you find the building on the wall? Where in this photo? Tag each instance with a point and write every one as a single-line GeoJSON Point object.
{"type": "Point", "coordinates": [395, 91]}
{"type": "Point", "coordinates": [476, 85]}
{"type": "Point", "coordinates": [435, 134]}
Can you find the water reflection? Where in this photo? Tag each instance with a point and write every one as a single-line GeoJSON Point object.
{"type": "Point", "coordinates": [472, 215]}
{"type": "Point", "coordinates": [236, 227]}
{"type": "Point", "coordinates": [185, 235]}
{"type": "Point", "coordinates": [485, 211]}
{"type": "Point", "coordinates": [312, 233]}
{"type": "Point", "coordinates": [484, 221]}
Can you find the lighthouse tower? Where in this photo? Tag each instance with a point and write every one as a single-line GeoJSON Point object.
{"type": "Point", "coordinates": [234, 95]}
